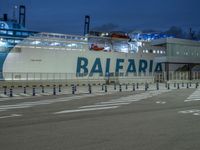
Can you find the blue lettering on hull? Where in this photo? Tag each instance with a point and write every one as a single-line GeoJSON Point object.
{"type": "Point", "coordinates": [143, 66]}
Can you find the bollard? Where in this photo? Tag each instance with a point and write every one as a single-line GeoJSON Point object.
{"type": "Point", "coordinates": [174, 84]}
{"type": "Point", "coordinates": [24, 90]}
{"type": "Point", "coordinates": [59, 88]}
{"type": "Point", "coordinates": [89, 88]}
{"type": "Point", "coordinates": [168, 86]}
{"type": "Point", "coordinates": [54, 90]}
{"type": "Point", "coordinates": [120, 87]}
{"type": "Point", "coordinates": [187, 86]}
{"type": "Point", "coordinates": [145, 86]}
{"type": "Point", "coordinates": [114, 86]}
{"type": "Point", "coordinates": [178, 86]}
{"type": "Point", "coordinates": [157, 86]}
{"type": "Point", "coordinates": [73, 90]}
{"type": "Point", "coordinates": [5, 90]}
{"type": "Point", "coordinates": [196, 85]}
{"type": "Point", "coordinates": [133, 86]}
{"type": "Point", "coordinates": [137, 85]}
{"type": "Point", "coordinates": [190, 84]}
{"type": "Point", "coordinates": [11, 92]}
{"type": "Point", "coordinates": [126, 87]}
{"type": "Point", "coordinates": [182, 84]}
{"type": "Point", "coordinates": [42, 89]}
{"type": "Point", "coordinates": [105, 88]}
{"type": "Point", "coordinates": [33, 91]}
{"type": "Point", "coordinates": [102, 87]}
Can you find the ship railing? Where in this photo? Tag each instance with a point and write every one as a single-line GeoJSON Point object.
{"type": "Point", "coordinates": [16, 33]}
{"type": "Point", "coordinates": [56, 36]}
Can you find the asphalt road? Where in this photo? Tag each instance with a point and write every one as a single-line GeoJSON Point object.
{"type": "Point", "coordinates": [151, 120]}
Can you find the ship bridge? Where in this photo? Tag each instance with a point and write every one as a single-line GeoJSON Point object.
{"type": "Point", "coordinates": [181, 55]}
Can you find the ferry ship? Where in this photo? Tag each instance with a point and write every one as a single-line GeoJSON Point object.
{"type": "Point", "coordinates": [38, 55]}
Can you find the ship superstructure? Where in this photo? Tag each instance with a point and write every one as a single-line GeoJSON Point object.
{"type": "Point", "coordinates": [33, 55]}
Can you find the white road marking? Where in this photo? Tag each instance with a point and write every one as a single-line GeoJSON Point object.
{"type": "Point", "coordinates": [43, 102]}
{"type": "Point", "coordinates": [103, 105]}
{"type": "Point", "coordinates": [195, 96]}
{"type": "Point", "coordinates": [195, 112]}
{"type": "Point", "coordinates": [87, 109]}
{"type": "Point", "coordinates": [10, 116]}
{"type": "Point", "coordinates": [160, 102]}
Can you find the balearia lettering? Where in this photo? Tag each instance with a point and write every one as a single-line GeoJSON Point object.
{"type": "Point", "coordinates": [143, 67]}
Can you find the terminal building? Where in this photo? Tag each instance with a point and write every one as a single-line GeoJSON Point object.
{"type": "Point", "coordinates": [181, 55]}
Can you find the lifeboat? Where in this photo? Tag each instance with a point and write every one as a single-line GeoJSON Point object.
{"type": "Point", "coordinates": [96, 48]}
{"type": "Point", "coordinates": [122, 36]}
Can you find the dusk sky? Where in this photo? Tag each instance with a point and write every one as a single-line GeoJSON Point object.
{"type": "Point", "coordinates": [67, 16]}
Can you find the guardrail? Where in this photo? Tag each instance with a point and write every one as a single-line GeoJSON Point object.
{"type": "Point", "coordinates": [118, 78]}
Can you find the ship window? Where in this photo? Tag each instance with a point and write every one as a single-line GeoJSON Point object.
{"type": "Point", "coordinates": [154, 51]}
{"type": "Point", "coordinates": [158, 51]}
{"type": "Point", "coordinates": [147, 51]}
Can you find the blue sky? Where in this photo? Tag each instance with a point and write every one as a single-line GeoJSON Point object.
{"type": "Point", "coordinates": [67, 16]}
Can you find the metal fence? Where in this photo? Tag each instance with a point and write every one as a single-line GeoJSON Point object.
{"type": "Point", "coordinates": [111, 78]}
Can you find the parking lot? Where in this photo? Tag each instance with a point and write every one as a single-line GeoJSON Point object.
{"type": "Point", "coordinates": [167, 118]}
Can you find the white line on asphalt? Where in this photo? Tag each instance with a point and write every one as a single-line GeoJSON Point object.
{"type": "Point", "coordinates": [190, 111]}
{"type": "Point", "coordinates": [117, 101]}
{"type": "Point", "coordinates": [10, 116]}
{"type": "Point", "coordinates": [103, 105]}
{"type": "Point", "coordinates": [189, 100]}
{"type": "Point", "coordinates": [88, 109]}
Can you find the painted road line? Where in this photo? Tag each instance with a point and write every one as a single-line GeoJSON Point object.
{"type": "Point", "coordinates": [117, 101]}
{"type": "Point", "coordinates": [10, 116]}
{"type": "Point", "coordinates": [190, 111]}
{"type": "Point", "coordinates": [160, 102]}
{"type": "Point", "coordinates": [189, 100]}
{"type": "Point", "coordinates": [103, 105]}
{"type": "Point", "coordinates": [87, 109]}
{"type": "Point", "coordinates": [42, 102]}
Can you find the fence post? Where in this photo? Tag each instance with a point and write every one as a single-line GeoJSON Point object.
{"type": "Point", "coordinates": [54, 89]}
{"type": "Point", "coordinates": [73, 90]}
{"type": "Point", "coordinates": [120, 87]}
{"type": "Point", "coordinates": [25, 90]}
{"type": "Point", "coordinates": [145, 86]}
{"type": "Point", "coordinates": [33, 91]}
{"type": "Point", "coordinates": [106, 88]}
{"type": "Point", "coordinates": [5, 90]}
{"type": "Point", "coordinates": [102, 87]}
{"type": "Point", "coordinates": [133, 86]}
{"type": "Point", "coordinates": [178, 86]}
{"type": "Point", "coordinates": [59, 88]}
{"type": "Point", "coordinates": [137, 85]}
{"type": "Point", "coordinates": [11, 92]}
{"type": "Point", "coordinates": [89, 89]}
{"type": "Point", "coordinates": [157, 85]}
{"type": "Point", "coordinates": [42, 89]}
